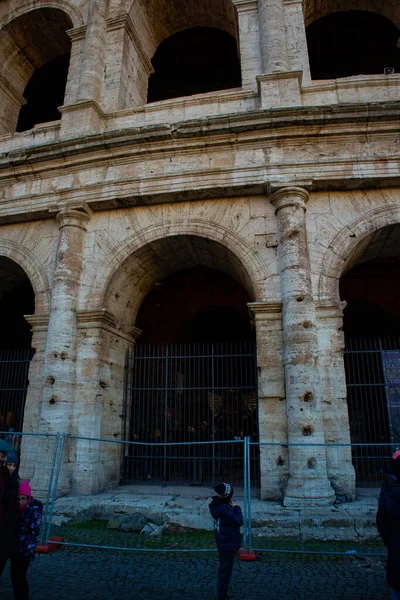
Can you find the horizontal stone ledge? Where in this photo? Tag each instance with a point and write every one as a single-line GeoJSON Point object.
{"type": "Point", "coordinates": [300, 118]}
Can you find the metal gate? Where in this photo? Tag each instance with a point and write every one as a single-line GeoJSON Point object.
{"type": "Point", "coordinates": [368, 405]}
{"type": "Point", "coordinates": [14, 368]}
{"type": "Point", "coordinates": [180, 398]}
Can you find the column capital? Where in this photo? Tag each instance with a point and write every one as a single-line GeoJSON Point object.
{"type": "Point", "coordinates": [243, 5]}
{"type": "Point", "coordinates": [75, 216]}
{"type": "Point", "coordinates": [267, 311]}
{"type": "Point", "coordinates": [289, 196]}
{"type": "Point", "coordinates": [102, 319]}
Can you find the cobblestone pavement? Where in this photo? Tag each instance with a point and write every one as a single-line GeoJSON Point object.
{"type": "Point", "coordinates": [89, 574]}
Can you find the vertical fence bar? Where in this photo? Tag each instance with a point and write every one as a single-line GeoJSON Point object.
{"type": "Point", "coordinates": [49, 488]}
{"type": "Point", "coordinates": [57, 476]}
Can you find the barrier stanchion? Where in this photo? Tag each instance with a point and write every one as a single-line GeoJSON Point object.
{"type": "Point", "coordinates": [247, 554]}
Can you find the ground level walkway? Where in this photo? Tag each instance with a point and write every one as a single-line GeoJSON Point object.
{"type": "Point", "coordinates": [87, 574]}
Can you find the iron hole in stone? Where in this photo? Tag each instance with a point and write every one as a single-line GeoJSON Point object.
{"type": "Point", "coordinates": [103, 384]}
{"type": "Point", "coordinates": [52, 401]}
{"type": "Point", "coordinates": [307, 430]}
{"type": "Point", "coordinates": [55, 355]}
{"type": "Point", "coordinates": [308, 396]}
{"type": "Point", "coordinates": [300, 298]}
{"type": "Point", "coordinates": [50, 380]}
{"type": "Point", "coordinates": [307, 324]}
{"type": "Point", "coordinates": [63, 355]}
{"type": "Point", "coordinates": [311, 463]}
{"type": "Point", "coordinates": [279, 461]}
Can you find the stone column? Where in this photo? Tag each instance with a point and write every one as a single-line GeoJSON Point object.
{"type": "Point", "coordinates": [296, 39]}
{"type": "Point", "coordinates": [333, 397]}
{"type": "Point", "coordinates": [308, 482]}
{"type": "Point", "coordinates": [274, 467]}
{"type": "Point", "coordinates": [82, 113]}
{"type": "Point", "coordinates": [99, 413]}
{"type": "Point", "coordinates": [249, 42]}
{"type": "Point", "coordinates": [92, 68]}
{"type": "Point", "coordinates": [60, 359]}
{"type": "Point", "coordinates": [30, 457]}
{"type": "Point", "coordinates": [128, 68]}
{"type": "Point", "coordinates": [274, 55]}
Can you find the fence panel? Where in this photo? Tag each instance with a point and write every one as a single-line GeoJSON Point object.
{"type": "Point", "coordinates": [37, 455]}
{"type": "Point", "coordinates": [275, 527]}
{"type": "Point", "coordinates": [170, 515]}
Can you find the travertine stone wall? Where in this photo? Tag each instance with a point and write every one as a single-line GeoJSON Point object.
{"type": "Point", "coordinates": [119, 194]}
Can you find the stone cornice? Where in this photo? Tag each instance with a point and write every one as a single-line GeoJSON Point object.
{"type": "Point", "coordinates": [265, 310]}
{"type": "Point", "coordinates": [334, 127]}
{"type": "Point", "coordinates": [38, 322]}
{"type": "Point", "coordinates": [260, 124]}
{"type": "Point", "coordinates": [102, 319]}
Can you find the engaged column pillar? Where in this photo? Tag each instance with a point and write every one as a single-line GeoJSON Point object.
{"type": "Point", "coordinates": [308, 481]}
{"type": "Point", "coordinates": [274, 55]}
{"type": "Point", "coordinates": [60, 360]}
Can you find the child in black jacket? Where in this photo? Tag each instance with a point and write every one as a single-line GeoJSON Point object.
{"type": "Point", "coordinates": [228, 519]}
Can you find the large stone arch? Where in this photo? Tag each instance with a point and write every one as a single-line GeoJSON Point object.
{"type": "Point", "coordinates": [346, 246]}
{"type": "Point", "coordinates": [253, 270]}
{"type": "Point", "coordinates": [6, 16]}
{"type": "Point", "coordinates": [316, 9]}
{"type": "Point", "coordinates": [34, 271]}
{"type": "Point", "coordinates": [162, 18]}
{"type": "Point", "coordinates": [32, 36]}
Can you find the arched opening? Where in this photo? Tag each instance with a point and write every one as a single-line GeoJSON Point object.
{"type": "Point", "coordinates": [16, 300]}
{"type": "Point", "coordinates": [192, 376]}
{"type": "Point", "coordinates": [353, 42]}
{"type": "Point", "coordinates": [194, 61]}
{"type": "Point", "coordinates": [34, 50]}
{"type": "Point", "coordinates": [371, 288]}
{"type": "Point", "coordinates": [44, 94]}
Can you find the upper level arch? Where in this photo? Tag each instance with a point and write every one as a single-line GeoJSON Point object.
{"type": "Point", "coordinates": [159, 19]}
{"type": "Point", "coordinates": [352, 42]}
{"type": "Point", "coordinates": [129, 272]}
{"type": "Point", "coordinates": [27, 262]}
{"type": "Point", "coordinates": [354, 245]}
{"type": "Point", "coordinates": [34, 41]}
{"type": "Point", "coordinates": [316, 9]}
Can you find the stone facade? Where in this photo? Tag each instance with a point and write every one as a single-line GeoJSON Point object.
{"type": "Point", "coordinates": [281, 184]}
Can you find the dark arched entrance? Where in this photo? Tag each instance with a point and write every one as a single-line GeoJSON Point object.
{"type": "Point", "coordinates": [193, 379]}
{"type": "Point", "coordinates": [371, 289]}
{"type": "Point", "coordinates": [16, 300]}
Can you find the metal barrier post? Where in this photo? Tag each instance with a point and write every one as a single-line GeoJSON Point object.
{"type": "Point", "coordinates": [60, 457]}
{"type": "Point", "coordinates": [247, 553]}
{"type": "Point", "coordinates": [46, 509]}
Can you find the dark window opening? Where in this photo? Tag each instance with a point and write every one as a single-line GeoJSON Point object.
{"type": "Point", "coordinates": [352, 43]}
{"type": "Point", "coordinates": [194, 61]}
{"type": "Point", "coordinates": [44, 94]}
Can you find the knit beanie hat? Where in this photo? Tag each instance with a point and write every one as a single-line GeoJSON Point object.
{"type": "Point", "coordinates": [224, 490]}
{"type": "Point", "coordinates": [396, 463]}
{"type": "Point", "coordinates": [25, 489]}
{"type": "Point", "coordinates": [12, 458]}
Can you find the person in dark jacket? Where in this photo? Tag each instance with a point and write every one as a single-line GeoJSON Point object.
{"type": "Point", "coordinates": [28, 528]}
{"type": "Point", "coordinates": [388, 524]}
{"type": "Point", "coordinates": [228, 519]}
{"type": "Point", "coordinates": [8, 506]}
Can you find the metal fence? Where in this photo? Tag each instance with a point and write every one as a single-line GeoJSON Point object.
{"type": "Point", "coordinates": [37, 454]}
{"type": "Point", "coordinates": [368, 406]}
{"type": "Point", "coordinates": [182, 394]}
{"type": "Point", "coordinates": [78, 481]}
{"type": "Point", "coordinates": [14, 367]}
